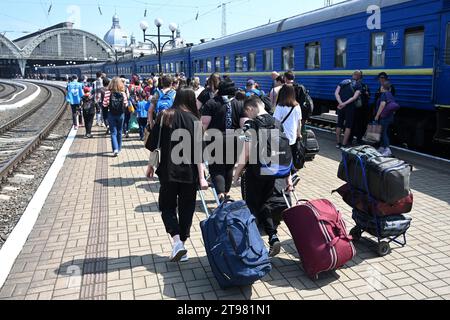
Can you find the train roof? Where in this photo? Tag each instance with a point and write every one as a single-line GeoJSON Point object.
{"type": "Point", "coordinates": [339, 10]}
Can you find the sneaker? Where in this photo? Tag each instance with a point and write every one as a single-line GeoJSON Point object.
{"type": "Point", "coordinates": [275, 246]}
{"type": "Point", "coordinates": [178, 252]}
{"type": "Point", "coordinates": [222, 199]}
{"type": "Point", "coordinates": [116, 153]}
{"type": "Point", "coordinates": [127, 134]}
{"type": "Point", "coordinates": [184, 258]}
{"type": "Point", "coordinates": [75, 128]}
{"type": "Point", "coordinates": [86, 137]}
{"type": "Point", "coordinates": [339, 146]}
{"type": "Point", "coordinates": [89, 136]}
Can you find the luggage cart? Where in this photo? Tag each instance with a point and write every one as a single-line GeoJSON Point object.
{"type": "Point", "coordinates": [383, 243]}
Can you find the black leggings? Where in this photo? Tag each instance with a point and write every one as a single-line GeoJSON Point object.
{"type": "Point", "coordinates": [222, 177]}
{"type": "Point", "coordinates": [257, 192]}
{"type": "Point", "coordinates": [173, 195]}
{"type": "Point", "coordinates": [126, 123]}
{"type": "Point", "coordinates": [88, 120]}
{"type": "Point", "coordinates": [105, 116]}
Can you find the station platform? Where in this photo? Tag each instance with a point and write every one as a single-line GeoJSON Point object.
{"type": "Point", "coordinates": [99, 235]}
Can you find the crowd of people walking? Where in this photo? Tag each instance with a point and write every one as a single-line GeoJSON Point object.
{"type": "Point", "coordinates": [161, 105]}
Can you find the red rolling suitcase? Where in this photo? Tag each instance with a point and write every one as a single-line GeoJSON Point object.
{"type": "Point", "coordinates": [320, 235]}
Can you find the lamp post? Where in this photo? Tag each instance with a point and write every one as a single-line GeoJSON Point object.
{"type": "Point", "coordinates": [91, 59]}
{"type": "Point", "coordinates": [159, 49]}
{"type": "Point", "coordinates": [116, 52]}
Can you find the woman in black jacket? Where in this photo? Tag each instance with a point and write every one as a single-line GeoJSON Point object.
{"type": "Point", "coordinates": [180, 178]}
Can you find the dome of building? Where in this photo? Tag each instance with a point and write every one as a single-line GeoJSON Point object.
{"type": "Point", "coordinates": [116, 37]}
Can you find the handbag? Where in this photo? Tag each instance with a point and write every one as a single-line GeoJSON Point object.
{"type": "Point", "coordinates": [299, 154]}
{"type": "Point", "coordinates": [373, 133]}
{"type": "Point", "coordinates": [155, 156]}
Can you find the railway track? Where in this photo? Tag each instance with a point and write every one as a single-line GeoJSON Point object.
{"type": "Point", "coordinates": [21, 135]}
{"type": "Point", "coordinates": [7, 90]}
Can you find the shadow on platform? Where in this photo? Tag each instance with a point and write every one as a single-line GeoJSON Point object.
{"type": "Point", "coordinates": [131, 164]}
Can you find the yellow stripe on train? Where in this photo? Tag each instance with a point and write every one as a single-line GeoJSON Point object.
{"type": "Point", "coordinates": [373, 72]}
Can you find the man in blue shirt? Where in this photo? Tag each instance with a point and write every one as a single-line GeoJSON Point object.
{"type": "Point", "coordinates": [74, 96]}
{"type": "Point", "coordinates": [347, 94]}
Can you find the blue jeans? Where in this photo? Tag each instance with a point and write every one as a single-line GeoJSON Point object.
{"type": "Point", "coordinates": [142, 125]}
{"type": "Point", "coordinates": [386, 123]}
{"type": "Point", "coordinates": [116, 127]}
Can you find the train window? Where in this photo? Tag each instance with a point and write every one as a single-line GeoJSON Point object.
{"type": "Point", "coordinates": [208, 65]}
{"type": "Point", "coordinates": [414, 44]}
{"type": "Point", "coordinates": [341, 53]}
{"type": "Point", "coordinates": [378, 52]}
{"type": "Point", "coordinates": [217, 64]}
{"type": "Point", "coordinates": [252, 61]}
{"type": "Point", "coordinates": [202, 65]}
{"type": "Point", "coordinates": [288, 58]}
{"type": "Point", "coordinates": [313, 55]}
{"type": "Point", "coordinates": [239, 59]}
{"type": "Point", "coordinates": [226, 64]}
{"type": "Point", "coordinates": [447, 46]}
{"type": "Point", "coordinates": [268, 59]}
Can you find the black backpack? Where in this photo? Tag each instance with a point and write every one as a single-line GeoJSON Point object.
{"type": "Point", "coordinates": [88, 105]}
{"type": "Point", "coordinates": [116, 104]}
{"type": "Point", "coordinates": [283, 168]}
{"type": "Point", "coordinates": [305, 101]}
{"type": "Point", "coordinates": [267, 104]}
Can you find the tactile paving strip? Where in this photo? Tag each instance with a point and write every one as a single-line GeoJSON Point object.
{"type": "Point", "coordinates": [93, 286]}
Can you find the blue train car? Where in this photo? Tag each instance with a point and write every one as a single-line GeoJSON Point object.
{"type": "Point", "coordinates": [323, 47]}
{"type": "Point", "coordinates": [125, 67]}
{"type": "Point", "coordinates": [173, 61]}
{"type": "Point", "coordinates": [408, 39]}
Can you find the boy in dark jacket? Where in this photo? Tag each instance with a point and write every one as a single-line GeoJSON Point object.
{"type": "Point", "coordinates": [257, 190]}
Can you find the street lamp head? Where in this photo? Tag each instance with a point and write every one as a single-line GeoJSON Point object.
{"type": "Point", "coordinates": [158, 22]}
{"type": "Point", "coordinates": [144, 25]}
{"type": "Point", "coordinates": [173, 27]}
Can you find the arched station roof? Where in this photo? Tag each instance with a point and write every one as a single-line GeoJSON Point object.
{"type": "Point", "coordinates": [59, 42]}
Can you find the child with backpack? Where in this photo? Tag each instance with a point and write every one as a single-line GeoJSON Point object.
{"type": "Point", "coordinates": [387, 107]}
{"type": "Point", "coordinates": [258, 181]}
{"type": "Point", "coordinates": [89, 109]}
{"type": "Point", "coordinates": [142, 107]}
{"type": "Point", "coordinates": [162, 99]}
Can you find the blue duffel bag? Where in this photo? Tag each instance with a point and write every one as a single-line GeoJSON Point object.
{"type": "Point", "coordinates": [234, 246]}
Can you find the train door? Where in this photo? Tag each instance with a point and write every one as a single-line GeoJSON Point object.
{"type": "Point", "coordinates": [443, 70]}
{"type": "Point", "coordinates": [443, 83]}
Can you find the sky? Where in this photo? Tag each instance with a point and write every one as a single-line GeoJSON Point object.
{"type": "Point", "coordinates": [95, 16]}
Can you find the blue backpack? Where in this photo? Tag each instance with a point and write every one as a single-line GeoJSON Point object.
{"type": "Point", "coordinates": [234, 247]}
{"type": "Point", "coordinates": [165, 100]}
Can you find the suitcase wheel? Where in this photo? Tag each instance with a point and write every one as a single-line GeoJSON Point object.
{"type": "Point", "coordinates": [356, 234]}
{"type": "Point", "coordinates": [384, 248]}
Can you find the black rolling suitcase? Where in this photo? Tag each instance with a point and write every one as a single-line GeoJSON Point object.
{"type": "Point", "coordinates": [312, 145]}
